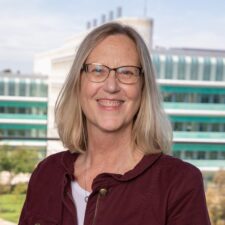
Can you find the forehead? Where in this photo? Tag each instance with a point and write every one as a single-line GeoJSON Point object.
{"type": "Point", "coordinates": [116, 49]}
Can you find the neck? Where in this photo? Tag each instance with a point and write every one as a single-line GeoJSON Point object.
{"type": "Point", "coordinates": [107, 152]}
{"type": "Point", "coordinates": [110, 151]}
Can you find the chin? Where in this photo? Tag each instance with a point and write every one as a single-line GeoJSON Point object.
{"type": "Point", "coordinates": [110, 129]}
{"type": "Point", "coordinates": [113, 127]}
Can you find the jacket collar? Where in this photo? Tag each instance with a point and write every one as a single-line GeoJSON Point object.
{"type": "Point", "coordinates": [67, 161]}
{"type": "Point", "coordinates": [147, 161]}
{"type": "Point", "coordinates": [107, 180]}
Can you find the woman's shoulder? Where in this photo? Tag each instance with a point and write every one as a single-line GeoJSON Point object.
{"type": "Point", "coordinates": [176, 164]}
{"type": "Point", "coordinates": [58, 158]}
{"type": "Point", "coordinates": [52, 160]}
{"type": "Point", "coordinates": [58, 164]}
{"type": "Point", "coordinates": [55, 156]}
{"type": "Point", "coordinates": [177, 168]}
{"type": "Point", "coordinates": [170, 160]}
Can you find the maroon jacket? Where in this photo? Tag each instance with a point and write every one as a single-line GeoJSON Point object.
{"type": "Point", "coordinates": [160, 190]}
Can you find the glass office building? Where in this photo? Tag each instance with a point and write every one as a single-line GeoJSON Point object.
{"type": "Point", "coordinates": [23, 110]}
{"type": "Point", "coordinates": [192, 82]}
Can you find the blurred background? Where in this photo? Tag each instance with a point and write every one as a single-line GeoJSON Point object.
{"type": "Point", "coordinates": [38, 42]}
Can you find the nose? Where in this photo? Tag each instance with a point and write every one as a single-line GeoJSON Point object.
{"type": "Point", "coordinates": [111, 84]}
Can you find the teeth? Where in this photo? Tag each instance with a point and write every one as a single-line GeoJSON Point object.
{"type": "Point", "coordinates": [109, 102]}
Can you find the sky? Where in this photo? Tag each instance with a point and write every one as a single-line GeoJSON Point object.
{"type": "Point", "coordinates": [28, 27]}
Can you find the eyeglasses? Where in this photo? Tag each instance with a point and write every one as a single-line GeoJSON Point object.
{"type": "Point", "coordinates": [99, 73]}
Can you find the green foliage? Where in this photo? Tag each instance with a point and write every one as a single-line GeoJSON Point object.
{"type": "Point", "coordinates": [216, 199]}
{"type": "Point", "coordinates": [18, 159]}
{"type": "Point", "coordinates": [4, 189]}
{"type": "Point", "coordinates": [10, 206]}
{"type": "Point", "coordinates": [23, 160]}
{"type": "Point", "coordinates": [5, 163]}
{"type": "Point", "coordinates": [20, 188]}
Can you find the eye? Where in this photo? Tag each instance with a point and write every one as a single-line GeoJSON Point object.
{"type": "Point", "coordinates": [126, 72]}
{"type": "Point", "coordinates": [97, 69]}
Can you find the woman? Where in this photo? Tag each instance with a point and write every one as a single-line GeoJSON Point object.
{"type": "Point", "coordinates": [109, 116]}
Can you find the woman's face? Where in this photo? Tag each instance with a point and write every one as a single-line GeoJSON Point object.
{"type": "Point", "coordinates": [111, 105]}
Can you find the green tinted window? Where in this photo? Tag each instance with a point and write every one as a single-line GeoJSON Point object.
{"type": "Point", "coordinates": [2, 87]}
{"type": "Point", "coordinates": [22, 88]}
{"type": "Point", "coordinates": [33, 89]}
{"type": "Point", "coordinates": [156, 64]}
{"type": "Point", "coordinates": [169, 67]}
{"type": "Point", "coordinates": [11, 88]}
{"type": "Point", "coordinates": [43, 90]}
{"type": "Point", "coordinates": [181, 68]}
{"type": "Point", "coordinates": [194, 69]}
{"type": "Point", "coordinates": [219, 70]}
{"type": "Point", "coordinates": [206, 69]}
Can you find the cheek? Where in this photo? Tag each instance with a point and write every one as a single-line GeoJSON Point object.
{"type": "Point", "coordinates": [88, 93]}
{"type": "Point", "coordinates": [88, 89]}
{"type": "Point", "coordinates": [135, 94]}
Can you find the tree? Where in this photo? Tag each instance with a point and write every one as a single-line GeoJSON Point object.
{"type": "Point", "coordinates": [5, 162]}
{"type": "Point", "coordinates": [18, 159]}
{"type": "Point", "coordinates": [216, 199]}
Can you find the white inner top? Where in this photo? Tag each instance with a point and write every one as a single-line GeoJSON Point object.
{"type": "Point", "coordinates": [79, 195]}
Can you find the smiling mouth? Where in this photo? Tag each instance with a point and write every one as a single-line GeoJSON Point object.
{"type": "Point", "coordinates": [110, 102]}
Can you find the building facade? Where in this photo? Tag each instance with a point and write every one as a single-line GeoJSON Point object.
{"type": "Point", "coordinates": [23, 110]}
{"type": "Point", "coordinates": [192, 82]}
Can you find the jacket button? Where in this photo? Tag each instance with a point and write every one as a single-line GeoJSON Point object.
{"type": "Point", "coordinates": [103, 192]}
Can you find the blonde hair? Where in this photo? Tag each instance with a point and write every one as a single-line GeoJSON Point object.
{"type": "Point", "coordinates": [151, 129]}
